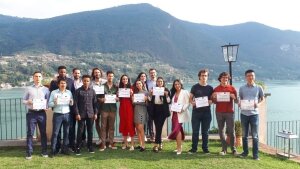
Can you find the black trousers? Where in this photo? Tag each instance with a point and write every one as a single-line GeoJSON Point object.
{"type": "Point", "coordinates": [88, 122]}
{"type": "Point", "coordinates": [159, 120]}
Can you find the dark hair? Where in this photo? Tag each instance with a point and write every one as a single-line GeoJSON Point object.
{"type": "Point", "coordinates": [135, 89]}
{"type": "Point", "coordinates": [93, 76]}
{"type": "Point", "coordinates": [162, 80]}
{"type": "Point", "coordinates": [121, 85]}
{"type": "Point", "coordinates": [36, 72]}
{"type": "Point", "coordinates": [61, 67]}
{"type": "Point", "coordinates": [75, 69]}
{"type": "Point", "coordinates": [109, 72]}
{"type": "Point", "coordinates": [173, 90]}
{"type": "Point", "coordinates": [249, 71]}
{"type": "Point", "coordinates": [140, 74]}
{"type": "Point", "coordinates": [151, 69]}
{"type": "Point", "coordinates": [86, 76]}
{"type": "Point", "coordinates": [61, 79]}
{"type": "Point", "coordinates": [203, 71]}
{"type": "Point", "coordinates": [223, 74]}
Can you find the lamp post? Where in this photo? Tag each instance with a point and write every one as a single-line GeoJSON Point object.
{"type": "Point", "coordinates": [230, 55]}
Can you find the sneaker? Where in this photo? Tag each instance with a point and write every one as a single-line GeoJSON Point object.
{"type": "Point", "coordinates": [124, 147]}
{"type": "Point", "coordinates": [131, 148]}
{"type": "Point", "coordinates": [243, 155]}
{"type": "Point", "coordinates": [235, 153]}
{"type": "Point", "coordinates": [142, 149]}
{"type": "Point", "coordinates": [91, 150]}
{"type": "Point", "coordinates": [72, 149]}
{"type": "Point", "coordinates": [28, 156]}
{"type": "Point", "coordinates": [222, 153]}
{"type": "Point", "coordinates": [191, 151]}
{"type": "Point", "coordinates": [112, 146]}
{"type": "Point", "coordinates": [206, 152]}
{"type": "Point", "coordinates": [44, 154]}
{"type": "Point", "coordinates": [77, 152]}
{"type": "Point", "coordinates": [98, 142]}
{"type": "Point", "coordinates": [102, 147]}
{"type": "Point", "coordinates": [160, 147]}
{"type": "Point", "coordinates": [256, 158]}
{"type": "Point", "coordinates": [155, 149]}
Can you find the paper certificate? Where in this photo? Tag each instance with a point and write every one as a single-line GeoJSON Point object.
{"type": "Point", "coordinates": [158, 91]}
{"type": "Point", "coordinates": [63, 100]}
{"type": "Point", "coordinates": [201, 101]}
{"type": "Point", "coordinates": [98, 89]}
{"type": "Point", "coordinates": [247, 104]}
{"type": "Point", "coordinates": [223, 96]}
{"type": "Point", "coordinates": [138, 98]}
{"type": "Point", "coordinates": [110, 98]}
{"type": "Point", "coordinates": [124, 92]}
{"type": "Point", "coordinates": [38, 104]}
{"type": "Point", "coordinates": [176, 107]}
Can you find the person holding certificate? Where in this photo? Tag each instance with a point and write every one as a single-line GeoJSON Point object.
{"type": "Point", "coordinates": [140, 99]}
{"type": "Point", "coordinates": [35, 99]}
{"type": "Point", "coordinates": [180, 113]}
{"type": "Point", "coordinates": [60, 100]}
{"type": "Point", "coordinates": [160, 111]}
{"type": "Point", "coordinates": [251, 95]}
{"type": "Point", "coordinates": [223, 97]}
{"type": "Point", "coordinates": [85, 107]}
{"type": "Point", "coordinates": [200, 98]}
{"type": "Point", "coordinates": [97, 85]}
{"type": "Point", "coordinates": [126, 126]}
{"type": "Point", "coordinates": [108, 114]}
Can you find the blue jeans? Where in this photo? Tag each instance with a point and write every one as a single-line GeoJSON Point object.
{"type": "Point", "coordinates": [59, 120]}
{"type": "Point", "coordinates": [203, 119]}
{"type": "Point", "coordinates": [32, 119]}
{"type": "Point", "coordinates": [253, 121]}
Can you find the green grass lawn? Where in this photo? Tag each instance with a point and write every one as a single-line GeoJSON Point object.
{"type": "Point", "coordinates": [14, 157]}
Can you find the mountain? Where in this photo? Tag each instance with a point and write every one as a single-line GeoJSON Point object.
{"type": "Point", "coordinates": [273, 53]}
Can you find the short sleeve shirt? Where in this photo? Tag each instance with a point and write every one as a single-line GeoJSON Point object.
{"type": "Point", "coordinates": [201, 91]}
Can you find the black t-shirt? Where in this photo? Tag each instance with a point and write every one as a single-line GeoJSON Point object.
{"type": "Point", "coordinates": [200, 91]}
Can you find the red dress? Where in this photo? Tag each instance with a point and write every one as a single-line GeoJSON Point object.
{"type": "Point", "coordinates": [176, 126]}
{"type": "Point", "coordinates": [126, 126]}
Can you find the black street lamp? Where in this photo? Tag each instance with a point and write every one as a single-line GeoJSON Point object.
{"type": "Point", "coordinates": [230, 55]}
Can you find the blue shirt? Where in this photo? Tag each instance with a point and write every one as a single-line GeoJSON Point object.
{"type": "Point", "coordinates": [251, 92]}
{"type": "Point", "coordinates": [62, 108]}
{"type": "Point", "coordinates": [35, 92]}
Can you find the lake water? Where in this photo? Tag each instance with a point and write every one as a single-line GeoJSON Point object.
{"type": "Point", "coordinates": [282, 104]}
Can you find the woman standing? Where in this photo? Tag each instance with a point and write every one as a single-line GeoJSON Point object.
{"type": "Point", "coordinates": [126, 112]}
{"type": "Point", "coordinates": [160, 102]}
{"type": "Point", "coordinates": [143, 78]}
{"type": "Point", "coordinates": [180, 110]}
{"type": "Point", "coordinates": [140, 112]}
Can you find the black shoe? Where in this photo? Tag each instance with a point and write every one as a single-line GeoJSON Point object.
{"type": "Point", "coordinates": [137, 147]}
{"type": "Point", "coordinates": [191, 151]}
{"type": "Point", "coordinates": [72, 149]}
{"type": "Point", "coordinates": [91, 150]}
{"type": "Point", "coordinates": [57, 151]}
{"type": "Point", "coordinates": [28, 156]}
{"type": "Point", "coordinates": [77, 152]}
{"type": "Point", "coordinates": [65, 152]}
{"type": "Point", "coordinates": [243, 155]}
{"type": "Point", "coordinates": [206, 152]}
{"type": "Point", "coordinates": [142, 149]}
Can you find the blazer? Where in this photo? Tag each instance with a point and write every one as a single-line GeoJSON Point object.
{"type": "Point", "coordinates": [166, 110]}
{"type": "Point", "coordinates": [183, 99]}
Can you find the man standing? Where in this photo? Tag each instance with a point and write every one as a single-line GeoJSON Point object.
{"type": "Point", "coordinates": [35, 98]}
{"type": "Point", "coordinates": [150, 84]}
{"type": "Point", "coordinates": [109, 110]}
{"type": "Point", "coordinates": [223, 97]}
{"type": "Point", "coordinates": [60, 100]}
{"type": "Point", "coordinates": [251, 95]}
{"type": "Point", "coordinates": [200, 98]}
{"type": "Point", "coordinates": [85, 106]}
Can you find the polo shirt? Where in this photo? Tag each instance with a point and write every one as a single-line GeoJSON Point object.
{"type": "Point", "coordinates": [251, 92]}
{"type": "Point", "coordinates": [225, 107]}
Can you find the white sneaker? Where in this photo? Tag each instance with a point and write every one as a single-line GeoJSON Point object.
{"type": "Point", "coordinates": [222, 153]}
{"type": "Point", "coordinates": [131, 148]}
{"type": "Point", "coordinates": [98, 142]}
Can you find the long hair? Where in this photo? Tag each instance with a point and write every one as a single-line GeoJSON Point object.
{"type": "Point", "coordinates": [121, 85]}
{"type": "Point", "coordinates": [173, 90]}
{"type": "Point", "coordinates": [135, 89]}
{"type": "Point", "coordinates": [93, 76]}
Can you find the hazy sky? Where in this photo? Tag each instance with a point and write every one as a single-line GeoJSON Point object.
{"type": "Point", "coordinates": [282, 14]}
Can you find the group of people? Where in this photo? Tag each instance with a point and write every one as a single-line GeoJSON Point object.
{"type": "Point", "coordinates": [90, 99]}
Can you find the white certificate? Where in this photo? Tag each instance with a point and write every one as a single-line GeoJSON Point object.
{"type": "Point", "coordinates": [247, 104]}
{"type": "Point", "coordinates": [63, 100]}
{"type": "Point", "coordinates": [38, 104]}
{"type": "Point", "coordinates": [124, 92]}
{"type": "Point", "coordinates": [138, 98]}
{"type": "Point", "coordinates": [98, 89]}
{"type": "Point", "coordinates": [158, 91]}
{"type": "Point", "coordinates": [223, 96]}
{"type": "Point", "coordinates": [201, 101]}
{"type": "Point", "coordinates": [110, 98]}
{"type": "Point", "coordinates": [176, 107]}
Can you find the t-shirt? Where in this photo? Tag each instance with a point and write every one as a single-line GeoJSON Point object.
{"type": "Point", "coordinates": [251, 92]}
{"type": "Point", "coordinates": [200, 91]}
{"type": "Point", "coordinates": [225, 107]}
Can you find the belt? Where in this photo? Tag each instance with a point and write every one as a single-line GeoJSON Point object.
{"type": "Point", "coordinates": [36, 111]}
